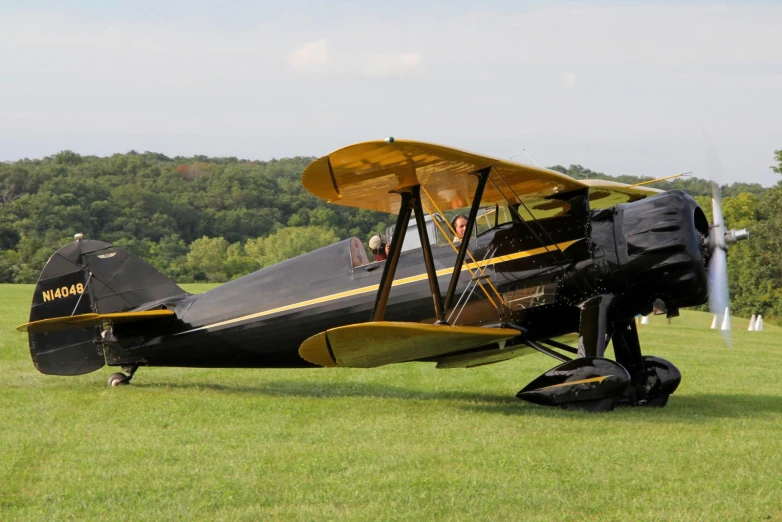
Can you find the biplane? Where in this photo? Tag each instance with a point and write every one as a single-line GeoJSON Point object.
{"type": "Point", "coordinates": [550, 256]}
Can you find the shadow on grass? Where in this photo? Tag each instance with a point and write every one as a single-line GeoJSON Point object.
{"type": "Point", "coordinates": [684, 409]}
{"type": "Point", "coordinates": [285, 388]}
{"type": "Point", "coordinates": [696, 408]}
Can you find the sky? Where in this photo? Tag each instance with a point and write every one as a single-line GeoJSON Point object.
{"type": "Point", "coordinates": [640, 87]}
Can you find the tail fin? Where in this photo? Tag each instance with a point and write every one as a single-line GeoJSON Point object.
{"type": "Point", "coordinates": [89, 277]}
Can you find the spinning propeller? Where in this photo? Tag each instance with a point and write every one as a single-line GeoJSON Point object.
{"type": "Point", "coordinates": [718, 241]}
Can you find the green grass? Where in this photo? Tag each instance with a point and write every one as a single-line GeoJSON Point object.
{"type": "Point", "coordinates": [405, 442]}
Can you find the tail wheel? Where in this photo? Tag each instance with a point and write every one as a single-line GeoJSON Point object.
{"type": "Point", "coordinates": [117, 379]}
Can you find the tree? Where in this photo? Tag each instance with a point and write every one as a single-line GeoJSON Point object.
{"type": "Point", "coordinates": [755, 274]}
{"type": "Point", "coordinates": [287, 243]}
{"type": "Point", "coordinates": [207, 259]}
{"type": "Point", "coordinates": [169, 256]}
{"type": "Point", "coordinates": [238, 263]}
{"type": "Point", "coordinates": [741, 211]}
{"type": "Point", "coordinates": [778, 167]}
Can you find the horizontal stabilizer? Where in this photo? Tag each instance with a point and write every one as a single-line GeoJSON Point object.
{"type": "Point", "coordinates": [367, 345]}
{"type": "Point", "coordinates": [71, 322]}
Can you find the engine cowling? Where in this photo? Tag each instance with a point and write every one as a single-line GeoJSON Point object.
{"type": "Point", "coordinates": [652, 249]}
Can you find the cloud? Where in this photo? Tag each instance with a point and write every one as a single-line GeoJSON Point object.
{"type": "Point", "coordinates": [312, 55]}
{"type": "Point", "coordinates": [392, 64]}
{"type": "Point", "coordinates": [345, 60]}
{"type": "Point", "coordinates": [555, 77]}
{"type": "Point", "coordinates": [638, 33]}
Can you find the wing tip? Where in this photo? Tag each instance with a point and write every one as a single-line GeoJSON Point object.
{"type": "Point", "coordinates": [316, 350]}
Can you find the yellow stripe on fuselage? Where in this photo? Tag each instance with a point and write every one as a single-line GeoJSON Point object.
{"type": "Point", "coordinates": [398, 282]}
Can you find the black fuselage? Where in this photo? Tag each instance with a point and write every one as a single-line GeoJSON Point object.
{"type": "Point", "coordinates": [543, 270]}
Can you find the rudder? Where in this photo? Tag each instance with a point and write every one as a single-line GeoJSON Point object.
{"type": "Point", "coordinates": [89, 276]}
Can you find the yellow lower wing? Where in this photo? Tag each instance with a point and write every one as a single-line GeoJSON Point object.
{"type": "Point", "coordinates": [70, 322]}
{"type": "Point", "coordinates": [367, 345]}
{"type": "Point", "coordinates": [484, 357]}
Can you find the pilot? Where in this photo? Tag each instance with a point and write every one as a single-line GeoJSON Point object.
{"type": "Point", "coordinates": [459, 225]}
{"type": "Point", "coordinates": [379, 247]}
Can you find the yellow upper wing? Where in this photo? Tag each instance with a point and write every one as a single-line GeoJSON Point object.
{"type": "Point", "coordinates": [367, 175]}
{"type": "Point", "coordinates": [604, 194]}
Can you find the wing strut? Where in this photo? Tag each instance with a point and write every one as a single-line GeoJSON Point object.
{"type": "Point", "coordinates": [389, 269]}
{"type": "Point", "coordinates": [483, 175]}
{"type": "Point", "coordinates": [434, 286]}
{"type": "Point", "coordinates": [411, 202]}
{"type": "Point", "coordinates": [480, 268]}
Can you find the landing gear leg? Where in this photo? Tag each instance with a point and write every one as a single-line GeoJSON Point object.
{"type": "Point", "coordinates": [121, 379]}
{"type": "Point", "coordinates": [653, 379]}
{"type": "Point", "coordinates": [591, 382]}
{"type": "Point", "coordinates": [594, 330]}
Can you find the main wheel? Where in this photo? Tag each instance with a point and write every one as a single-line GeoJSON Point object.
{"type": "Point", "coordinates": [117, 379]}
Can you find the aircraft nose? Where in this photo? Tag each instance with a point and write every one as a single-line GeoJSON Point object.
{"type": "Point", "coordinates": [660, 252]}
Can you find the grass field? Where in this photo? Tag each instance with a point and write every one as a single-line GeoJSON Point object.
{"type": "Point", "coordinates": [405, 442]}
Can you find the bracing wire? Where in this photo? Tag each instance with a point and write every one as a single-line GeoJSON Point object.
{"type": "Point", "coordinates": [537, 222]}
{"type": "Point", "coordinates": [453, 233]}
{"type": "Point", "coordinates": [468, 267]}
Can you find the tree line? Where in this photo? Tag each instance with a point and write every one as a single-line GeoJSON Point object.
{"type": "Point", "coordinates": [195, 219]}
{"type": "Point", "coordinates": [214, 219]}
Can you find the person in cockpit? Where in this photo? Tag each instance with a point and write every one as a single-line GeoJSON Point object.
{"type": "Point", "coordinates": [379, 247]}
{"type": "Point", "coordinates": [459, 225]}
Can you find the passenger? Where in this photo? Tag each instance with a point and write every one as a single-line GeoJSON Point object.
{"type": "Point", "coordinates": [459, 225]}
{"type": "Point", "coordinates": [379, 247]}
